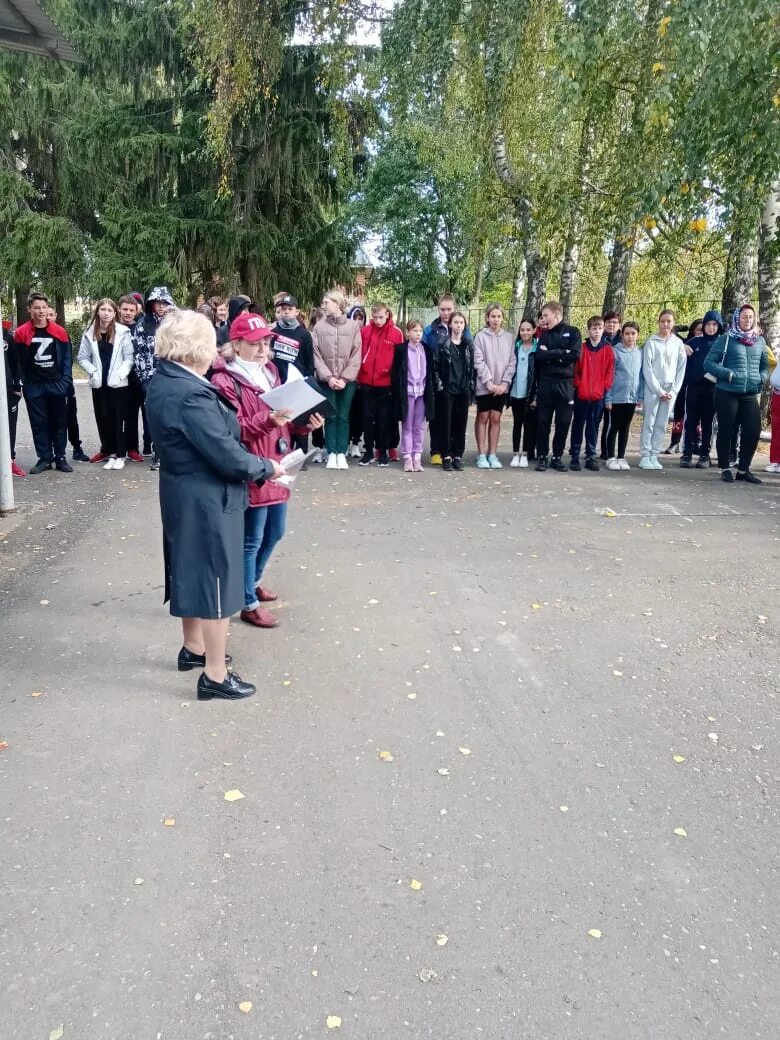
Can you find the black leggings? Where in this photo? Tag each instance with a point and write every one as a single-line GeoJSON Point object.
{"type": "Point", "coordinates": [737, 410]}
{"type": "Point", "coordinates": [524, 423]}
{"type": "Point", "coordinates": [452, 414]}
{"type": "Point", "coordinates": [617, 423]}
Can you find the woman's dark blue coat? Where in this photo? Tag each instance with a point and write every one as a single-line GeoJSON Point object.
{"type": "Point", "coordinates": [204, 470]}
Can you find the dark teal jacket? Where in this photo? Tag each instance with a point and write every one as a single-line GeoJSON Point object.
{"type": "Point", "coordinates": [738, 368]}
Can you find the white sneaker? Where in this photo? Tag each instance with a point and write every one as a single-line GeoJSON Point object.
{"type": "Point", "coordinates": [655, 462]}
{"type": "Point", "coordinates": [341, 461]}
{"type": "Point", "coordinates": [119, 463]}
{"type": "Point", "coordinates": [111, 463]}
{"type": "Point", "coordinates": [773, 467]}
{"type": "Point", "coordinates": [613, 464]}
{"type": "Point", "coordinates": [332, 463]}
{"type": "Point", "coordinates": [515, 463]}
{"type": "Point", "coordinates": [623, 464]}
{"type": "Point", "coordinates": [523, 461]}
{"type": "Point", "coordinates": [646, 462]}
{"type": "Point", "coordinates": [355, 452]}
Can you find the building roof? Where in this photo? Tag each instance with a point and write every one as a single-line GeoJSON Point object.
{"type": "Point", "coordinates": [25, 27]}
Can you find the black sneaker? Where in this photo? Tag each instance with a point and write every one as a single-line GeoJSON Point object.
{"type": "Point", "coordinates": [63, 465]}
{"type": "Point", "coordinates": [592, 465]}
{"type": "Point", "coordinates": [155, 464]}
{"type": "Point", "coordinates": [749, 478]}
{"type": "Point", "coordinates": [574, 465]}
{"type": "Point", "coordinates": [79, 455]}
{"type": "Point", "coordinates": [232, 688]}
{"type": "Point", "coordinates": [558, 465]}
{"type": "Point", "coordinates": [704, 462]}
{"type": "Point", "coordinates": [40, 467]}
{"type": "Point", "coordinates": [728, 476]}
{"type": "Point", "coordinates": [541, 465]}
{"type": "Point", "coordinates": [384, 460]}
{"type": "Point", "coordinates": [686, 462]}
{"type": "Point", "coordinates": [446, 465]}
{"type": "Point", "coordinates": [457, 464]}
{"type": "Point", "coordinates": [366, 459]}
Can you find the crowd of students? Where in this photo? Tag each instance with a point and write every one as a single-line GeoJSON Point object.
{"type": "Point", "coordinates": [385, 385]}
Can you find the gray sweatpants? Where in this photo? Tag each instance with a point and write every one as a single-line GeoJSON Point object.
{"type": "Point", "coordinates": [654, 419]}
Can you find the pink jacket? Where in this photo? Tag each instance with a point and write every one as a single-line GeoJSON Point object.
{"type": "Point", "coordinates": [259, 433]}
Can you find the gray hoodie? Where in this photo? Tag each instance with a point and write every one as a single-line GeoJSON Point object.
{"type": "Point", "coordinates": [663, 365]}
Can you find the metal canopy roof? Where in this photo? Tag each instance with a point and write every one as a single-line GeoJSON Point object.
{"type": "Point", "coordinates": [25, 27]}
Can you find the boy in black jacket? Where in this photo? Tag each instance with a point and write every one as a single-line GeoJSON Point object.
{"type": "Point", "coordinates": [556, 355]}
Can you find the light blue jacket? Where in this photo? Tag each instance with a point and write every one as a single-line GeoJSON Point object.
{"type": "Point", "coordinates": [628, 386]}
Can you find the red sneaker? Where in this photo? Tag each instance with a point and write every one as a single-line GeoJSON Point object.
{"type": "Point", "coordinates": [259, 617]}
{"type": "Point", "coordinates": [99, 456]}
{"type": "Point", "coordinates": [17, 470]}
{"type": "Point", "coordinates": [134, 456]}
{"type": "Point", "coordinates": [265, 595]}
{"type": "Point", "coordinates": [394, 456]}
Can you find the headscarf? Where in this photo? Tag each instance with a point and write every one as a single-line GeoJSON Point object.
{"type": "Point", "coordinates": [749, 337]}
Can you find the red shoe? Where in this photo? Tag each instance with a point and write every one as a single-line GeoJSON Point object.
{"type": "Point", "coordinates": [265, 595]}
{"type": "Point", "coordinates": [394, 456]}
{"type": "Point", "coordinates": [99, 456]}
{"type": "Point", "coordinates": [259, 617]}
{"type": "Point", "coordinates": [134, 456]}
{"type": "Point", "coordinates": [17, 470]}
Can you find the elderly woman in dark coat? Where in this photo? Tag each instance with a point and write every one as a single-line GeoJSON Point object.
{"type": "Point", "coordinates": [204, 470]}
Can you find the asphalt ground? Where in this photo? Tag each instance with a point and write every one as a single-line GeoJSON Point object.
{"type": "Point", "coordinates": [530, 650]}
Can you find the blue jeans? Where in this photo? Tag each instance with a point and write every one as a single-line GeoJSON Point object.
{"type": "Point", "coordinates": [263, 529]}
{"type": "Point", "coordinates": [587, 416]}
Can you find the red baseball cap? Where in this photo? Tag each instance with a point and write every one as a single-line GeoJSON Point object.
{"type": "Point", "coordinates": [251, 327]}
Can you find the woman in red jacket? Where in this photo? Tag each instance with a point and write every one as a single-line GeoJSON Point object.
{"type": "Point", "coordinates": [243, 380]}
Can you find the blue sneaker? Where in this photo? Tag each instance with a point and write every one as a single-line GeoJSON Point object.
{"type": "Point", "coordinates": [482, 462]}
{"type": "Point", "coordinates": [495, 462]}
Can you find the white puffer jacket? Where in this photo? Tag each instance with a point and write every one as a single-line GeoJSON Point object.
{"type": "Point", "coordinates": [121, 358]}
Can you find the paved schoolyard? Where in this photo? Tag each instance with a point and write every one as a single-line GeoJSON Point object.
{"type": "Point", "coordinates": [532, 664]}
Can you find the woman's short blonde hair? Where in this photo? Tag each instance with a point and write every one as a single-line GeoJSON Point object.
{"type": "Point", "coordinates": [186, 337]}
{"type": "Point", "coordinates": [338, 298]}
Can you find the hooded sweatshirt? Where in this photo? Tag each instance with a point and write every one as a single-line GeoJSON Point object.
{"type": "Point", "coordinates": [144, 332]}
{"type": "Point", "coordinates": [236, 304]}
{"type": "Point", "coordinates": [494, 359]}
{"type": "Point", "coordinates": [627, 386]}
{"type": "Point", "coordinates": [594, 372]}
{"type": "Point", "coordinates": [663, 365]}
{"type": "Point", "coordinates": [378, 343]}
{"type": "Point", "coordinates": [701, 346]}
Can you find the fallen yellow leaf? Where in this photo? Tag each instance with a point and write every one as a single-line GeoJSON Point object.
{"type": "Point", "coordinates": [37, 693]}
{"type": "Point", "coordinates": [536, 606]}
{"type": "Point", "coordinates": [594, 933]}
{"type": "Point", "coordinates": [138, 881]}
{"type": "Point", "coordinates": [169, 821]}
{"type": "Point", "coordinates": [681, 832]}
{"type": "Point", "coordinates": [245, 1006]}
{"type": "Point", "coordinates": [441, 772]}
{"type": "Point", "coordinates": [442, 940]}
{"type": "Point", "coordinates": [333, 1022]}
{"type": "Point", "coordinates": [233, 796]}
{"type": "Point", "coordinates": [415, 884]}
{"type": "Point", "coordinates": [610, 513]}
{"type": "Point", "coordinates": [678, 758]}
{"type": "Point", "coordinates": [464, 750]}
{"type": "Point", "coordinates": [386, 756]}
{"type": "Point", "coordinates": [45, 603]}
{"type": "Point", "coordinates": [564, 808]}
{"type": "Point", "coordinates": [57, 1034]}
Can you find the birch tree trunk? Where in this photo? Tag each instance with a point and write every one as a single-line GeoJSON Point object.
{"type": "Point", "coordinates": [769, 268]}
{"type": "Point", "coordinates": [740, 270]}
{"type": "Point", "coordinates": [616, 293]}
{"type": "Point", "coordinates": [571, 254]}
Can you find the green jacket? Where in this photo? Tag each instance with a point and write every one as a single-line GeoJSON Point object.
{"type": "Point", "coordinates": [738, 368]}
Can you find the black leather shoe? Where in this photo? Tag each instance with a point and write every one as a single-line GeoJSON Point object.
{"type": "Point", "coordinates": [79, 455]}
{"type": "Point", "coordinates": [573, 465]}
{"type": "Point", "coordinates": [63, 465]}
{"type": "Point", "coordinates": [187, 660]}
{"type": "Point", "coordinates": [749, 478]}
{"type": "Point", "coordinates": [560, 466]}
{"type": "Point", "coordinates": [230, 689]}
{"type": "Point", "coordinates": [728, 476]}
{"type": "Point", "coordinates": [541, 465]}
{"type": "Point", "coordinates": [592, 465]}
{"type": "Point", "coordinates": [40, 467]}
